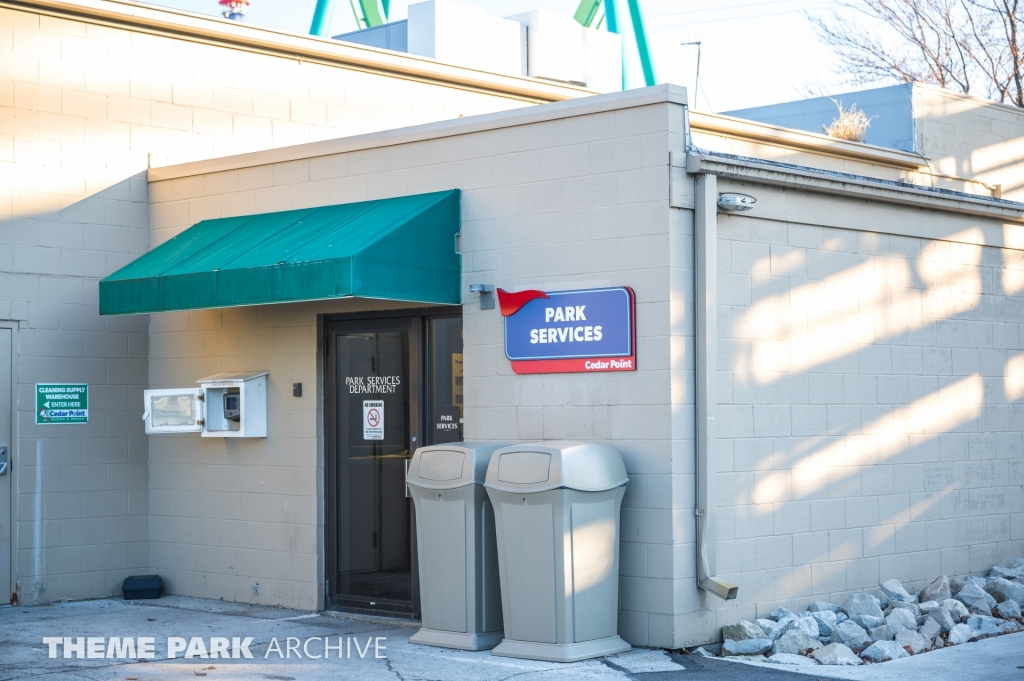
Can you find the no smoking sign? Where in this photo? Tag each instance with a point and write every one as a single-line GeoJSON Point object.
{"type": "Point", "coordinates": [373, 419]}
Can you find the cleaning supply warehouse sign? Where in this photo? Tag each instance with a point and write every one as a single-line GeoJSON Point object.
{"type": "Point", "coordinates": [62, 403]}
{"type": "Point", "coordinates": [570, 331]}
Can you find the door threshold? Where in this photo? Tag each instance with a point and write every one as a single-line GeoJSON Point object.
{"type": "Point", "coordinates": [371, 614]}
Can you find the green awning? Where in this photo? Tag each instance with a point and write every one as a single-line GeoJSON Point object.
{"type": "Point", "coordinates": [393, 249]}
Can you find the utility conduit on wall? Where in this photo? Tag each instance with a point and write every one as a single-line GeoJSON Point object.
{"type": "Point", "coordinates": [706, 271]}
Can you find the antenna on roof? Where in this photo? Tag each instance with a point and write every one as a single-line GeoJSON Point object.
{"type": "Point", "coordinates": [235, 9]}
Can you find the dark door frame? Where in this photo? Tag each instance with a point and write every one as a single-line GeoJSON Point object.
{"type": "Point", "coordinates": [416, 321]}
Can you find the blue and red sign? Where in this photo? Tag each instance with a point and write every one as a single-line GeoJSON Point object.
{"type": "Point", "coordinates": [570, 331]}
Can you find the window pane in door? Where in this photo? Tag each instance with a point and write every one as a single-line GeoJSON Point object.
{"type": "Point", "coordinates": [172, 410]}
{"type": "Point", "coordinates": [445, 365]}
{"type": "Point", "coordinates": [373, 550]}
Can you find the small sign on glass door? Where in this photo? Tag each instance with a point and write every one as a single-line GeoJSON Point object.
{"type": "Point", "coordinates": [373, 419]}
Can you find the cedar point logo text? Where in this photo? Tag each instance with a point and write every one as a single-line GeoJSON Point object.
{"type": "Point", "coordinates": [236, 647]}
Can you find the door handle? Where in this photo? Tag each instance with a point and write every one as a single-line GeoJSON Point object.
{"type": "Point", "coordinates": [4, 462]}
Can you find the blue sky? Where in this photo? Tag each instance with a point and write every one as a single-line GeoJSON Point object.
{"type": "Point", "coordinates": [753, 52]}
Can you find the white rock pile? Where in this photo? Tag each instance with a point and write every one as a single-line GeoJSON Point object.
{"type": "Point", "coordinates": [889, 624]}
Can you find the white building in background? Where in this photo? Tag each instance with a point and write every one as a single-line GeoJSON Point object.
{"type": "Point", "coordinates": [865, 315]}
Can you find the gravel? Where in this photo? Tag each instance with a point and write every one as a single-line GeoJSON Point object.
{"type": "Point", "coordinates": [808, 625]}
{"type": "Point", "coordinates": [990, 626]}
{"type": "Point", "coordinates": [1008, 610]}
{"type": "Point", "coordinates": [770, 627]}
{"type": "Point", "coordinates": [750, 646]}
{"type": "Point", "coordinates": [894, 590]}
{"type": "Point", "coordinates": [913, 608]}
{"type": "Point", "coordinates": [868, 621]}
{"type": "Point", "coordinates": [961, 633]}
{"type": "Point", "coordinates": [851, 634]}
{"type": "Point", "coordinates": [826, 620]}
{"type": "Point", "coordinates": [824, 606]}
{"type": "Point", "coordinates": [944, 618]}
{"type": "Point", "coordinates": [780, 613]}
{"type": "Point", "coordinates": [1003, 590]}
{"type": "Point", "coordinates": [930, 629]}
{"type": "Point", "coordinates": [956, 608]}
{"type": "Point", "coordinates": [1012, 568]}
{"type": "Point", "coordinates": [900, 619]}
{"type": "Point", "coordinates": [795, 642]}
{"type": "Point", "coordinates": [971, 592]}
{"type": "Point", "coordinates": [742, 631]}
{"type": "Point", "coordinates": [913, 642]}
{"type": "Point", "coordinates": [938, 590]}
{"type": "Point", "coordinates": [880, 651]}
{"type": "Point", "coordinates": [862, 604]}
{"type": "Point", "coordinates": [882, 633]}
{"type": "Point", "coordinates": [836, 654]}
{"type": "Point", "coordinates": [892, 623]}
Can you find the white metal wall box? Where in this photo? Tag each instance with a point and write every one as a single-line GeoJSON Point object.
{"type": "Point", "coordinates": [236, 404]}
{"type": "Point", "coordinates": [224, 405]}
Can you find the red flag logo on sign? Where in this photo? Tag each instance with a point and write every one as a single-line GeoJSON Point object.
{"type": "Point", "coordinates": [511, 302]}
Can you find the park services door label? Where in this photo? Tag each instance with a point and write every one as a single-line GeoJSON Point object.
{"type": "Point", "coordinates": [570, 331]}
{"type": "Point", "coordinates": [62, 403]}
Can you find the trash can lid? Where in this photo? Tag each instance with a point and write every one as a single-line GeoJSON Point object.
{"type": "Point", "coordinates": [543, 466]}
{"type": "Point", "coordinates": [451, 465]}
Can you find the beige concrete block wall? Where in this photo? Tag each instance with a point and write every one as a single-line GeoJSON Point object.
{"type": "Point", "coordinates": [242, 519]}
{"type": "Point", "coordinates": [84, 110]}
{"type": "Point", "coordinates": [578, 201]}
{"type": "Point", "coordinates": [870, 416]}
{"type": "Point", "coordinates": [970, 137]}
{"type": "Point", "coordinates": [605, 221]}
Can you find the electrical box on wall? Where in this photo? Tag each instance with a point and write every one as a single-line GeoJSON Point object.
{"type": "Point", "coordinates": [224, 405]}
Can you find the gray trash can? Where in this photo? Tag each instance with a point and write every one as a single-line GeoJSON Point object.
{"type": "Point", "coordinates": [460, 596]}
{"type": "Point", "coordinates": [556, 510]}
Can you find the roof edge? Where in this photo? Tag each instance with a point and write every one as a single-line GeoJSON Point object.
{"type": "Point", "coordinates": [807, 141]}
{"type": "Point", "coordinates": [187, 25]}
{"type": "Point", "coordinates": [774, 173]}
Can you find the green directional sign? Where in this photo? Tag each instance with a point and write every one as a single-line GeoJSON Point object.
{"type": "Point", "coordinates": [62, 403]}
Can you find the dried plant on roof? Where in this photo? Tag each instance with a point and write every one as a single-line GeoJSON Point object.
{"type": "Point", "coordinates": [970, 46]}
{"type": "Point", "coordinates": [850, 124]}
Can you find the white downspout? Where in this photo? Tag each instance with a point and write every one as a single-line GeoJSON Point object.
{"type": "Point", "coordinates": [706, 271]}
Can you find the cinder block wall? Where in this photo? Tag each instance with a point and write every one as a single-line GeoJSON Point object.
{"type": "Point", "coordinates": [84, 110]}
{"type": "Point", "coordinates": [242, 519]}
{"type": "Point", "coordinates": [970, 137]}
{"type": "Point", "coordinates": [870, 389]}
{"type": "Point", "coordinates": [870, 383]}
{"type": "Point", "coordinates": [574, 202]}
{"type": "Point", "coordinates": [584, 203]}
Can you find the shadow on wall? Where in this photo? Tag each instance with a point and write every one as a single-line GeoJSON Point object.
{"type": "Point", "coordinates": [82, 489]}
{"type": "Point", "coordinates": [972, 138]}
{"type": "Point", "coordinates": [871, 409]}
{"type": "Point", "coordinates": [962, 137]}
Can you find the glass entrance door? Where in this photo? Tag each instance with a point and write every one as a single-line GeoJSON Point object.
{"type": "Point", "coordinates": [371, 425]}
{"type": "Point", "coordinates": [392, 384]}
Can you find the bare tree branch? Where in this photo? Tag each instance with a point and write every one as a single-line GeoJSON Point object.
{"type": "Point", "coordinates": [970, 46]}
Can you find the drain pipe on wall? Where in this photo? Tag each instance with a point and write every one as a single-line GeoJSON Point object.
{"type": "Point", "coordinates": [705, 257]}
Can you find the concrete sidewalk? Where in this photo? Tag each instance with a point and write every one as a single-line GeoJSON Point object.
{"type": "Point", "coordinates": [24, 655]}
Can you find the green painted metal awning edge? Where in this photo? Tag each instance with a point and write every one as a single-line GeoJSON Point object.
{"type": "Point", "coordinates": [401, 249]}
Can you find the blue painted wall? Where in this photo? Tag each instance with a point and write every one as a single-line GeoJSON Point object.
{"type": "Point", "coordinates": [890, 108]}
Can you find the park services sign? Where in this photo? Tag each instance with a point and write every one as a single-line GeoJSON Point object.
{"type": "Point", "coordinates": [62, 403]}
{"type": "Point", "coordinates": [570, 331]}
